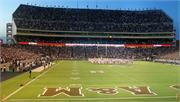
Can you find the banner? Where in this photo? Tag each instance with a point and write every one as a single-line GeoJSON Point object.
{"type": "Point", "coordinates": [98, 45]}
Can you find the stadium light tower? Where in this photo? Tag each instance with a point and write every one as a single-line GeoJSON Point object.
{"type": "Point", "coordinates": [106, 6]}
{"type": "Point", "coordinates": [77, 3]}
{"type": "Point", "coordinates": [96, 5]}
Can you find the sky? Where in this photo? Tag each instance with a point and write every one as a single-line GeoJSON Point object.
{"type": "Point", "coordinates": [171, 7]}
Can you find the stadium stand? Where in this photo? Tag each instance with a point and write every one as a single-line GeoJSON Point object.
{"type": "Point", "coordinates": [70, 25]}
{"type": "Point", "coordinates": [18, 58]}
{"type": "Point", "coordinates": [66, 19]}
{"type": "Point", "coordinates": [69, 33]}
{"type": "Point", "coordinates": [12, 56]}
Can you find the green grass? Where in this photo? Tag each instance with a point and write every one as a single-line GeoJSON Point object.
{"type": "Point", "coordinates": [159, 77]}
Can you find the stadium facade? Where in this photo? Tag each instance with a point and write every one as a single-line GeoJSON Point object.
{"type": "Point", "coordinates": [92, 27]}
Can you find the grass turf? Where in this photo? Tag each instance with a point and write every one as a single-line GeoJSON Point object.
{"type": "Point", "coordinates": [159, 77]}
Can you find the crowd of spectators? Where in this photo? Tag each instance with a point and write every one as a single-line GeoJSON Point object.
{"type": "Point", "coordinates": [22, 57]}
{"type": "Point", "coordinates": [99, 20]}
{"type": "Point", "coordinates": [170, 55]}
{"type": "Point", "coordinates": [16, 58]}
{"type": "Point", "coordinates": [12, 53]}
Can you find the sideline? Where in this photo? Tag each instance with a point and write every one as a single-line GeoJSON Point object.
{"type": "Point", "coordinates": [27, 84]}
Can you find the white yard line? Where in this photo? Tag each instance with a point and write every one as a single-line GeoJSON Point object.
{"type": "Point", "coordinates": [25, 85]}
{"type": "Point", "coordinates": [85, 99]}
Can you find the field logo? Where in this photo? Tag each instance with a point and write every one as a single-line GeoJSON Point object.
{"type": "Point", "coordinates": [108, 91]}
{"type": "Point", "coordinates": [141, 90]}
{"type": "Point", "coordinates": [71, 91]}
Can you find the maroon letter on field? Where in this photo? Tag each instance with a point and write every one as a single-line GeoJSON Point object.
{"type": "Point", "coordinates": [110, 91]}
{"type": "Point", "coordinates": [142, 90]}
{"type": "Point", "coordinates": [69, 91]}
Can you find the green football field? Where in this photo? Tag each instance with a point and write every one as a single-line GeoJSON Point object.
{"type": "Point", "coordinates": [80, 81]}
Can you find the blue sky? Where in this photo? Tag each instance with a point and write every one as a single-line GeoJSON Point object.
{"type": "Point", "coordinates": [171, 7]}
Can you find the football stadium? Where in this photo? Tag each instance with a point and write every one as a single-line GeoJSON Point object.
{"type": "Point", "coordinates": [96, 55]}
